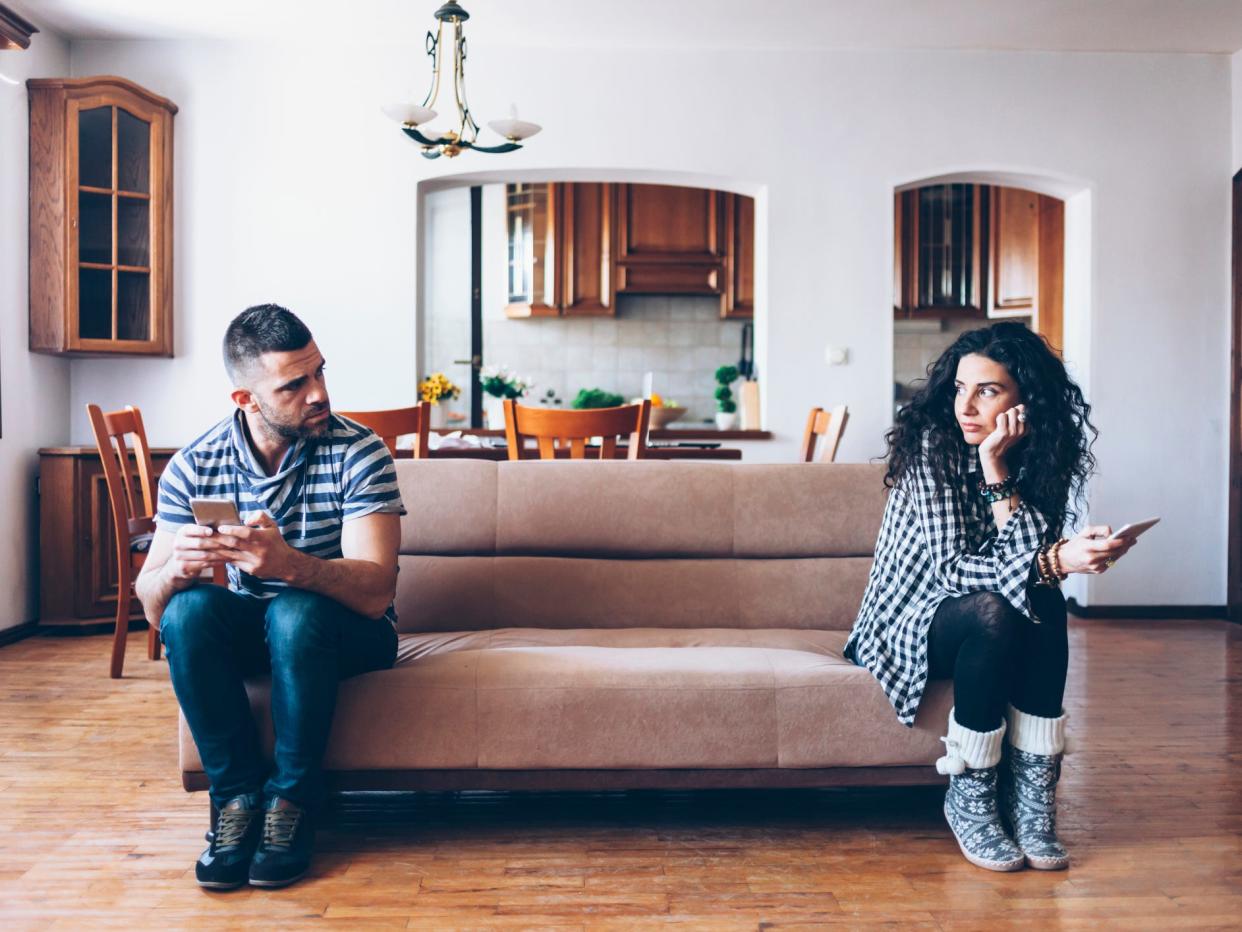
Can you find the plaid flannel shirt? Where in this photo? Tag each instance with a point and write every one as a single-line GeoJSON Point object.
{"type": "Point", "coordinates": [936, 541]}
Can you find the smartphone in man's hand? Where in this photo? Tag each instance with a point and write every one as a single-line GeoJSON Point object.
{"type": "Point", "coordinates": [215, 512]}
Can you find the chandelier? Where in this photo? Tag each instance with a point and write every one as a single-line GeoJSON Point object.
{"type": "Point", "coordinates": [464, 131]}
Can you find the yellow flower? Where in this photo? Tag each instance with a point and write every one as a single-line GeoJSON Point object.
{"type": "Point", "coordinates": [437, 386]}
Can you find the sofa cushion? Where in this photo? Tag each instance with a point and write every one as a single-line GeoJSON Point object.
{"type": "Point", "coordinates": [436, 593]}
{"type": "Point", "coordinates": [617, 698]}
{"type": "Point", "coordinates": [641, 510]}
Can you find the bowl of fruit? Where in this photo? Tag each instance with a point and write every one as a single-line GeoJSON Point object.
{"type": "Point", "coordinates": [664, 412]}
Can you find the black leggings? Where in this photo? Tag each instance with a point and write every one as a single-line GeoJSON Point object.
{"type": "Point", "coordinates": [996, 655]}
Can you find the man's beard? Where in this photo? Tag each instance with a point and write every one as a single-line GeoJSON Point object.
{"type": "Point", "coordinates": [286, 430]}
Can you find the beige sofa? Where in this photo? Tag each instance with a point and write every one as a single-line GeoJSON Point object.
{"type": "Point", "coordinates": [625, 625]}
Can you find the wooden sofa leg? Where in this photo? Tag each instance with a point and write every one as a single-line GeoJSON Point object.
{"type": "Point", "coordinates": [212, 815]}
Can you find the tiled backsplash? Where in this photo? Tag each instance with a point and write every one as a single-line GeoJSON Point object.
{"type": "Point", "coordinates": [681, 339]}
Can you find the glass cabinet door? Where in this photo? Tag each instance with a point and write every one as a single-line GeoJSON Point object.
{"type": "Point", "coordinates": [531, 245]}
{"type": "Point", "coordinates": [100, 219]}
{"type": "Point", "coordinates": [114, 225]}
{"type": "Point", "coordinates": [946, 245]}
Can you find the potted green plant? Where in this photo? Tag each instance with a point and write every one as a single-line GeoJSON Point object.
{"type": "Point", "coordinates": [596, 398]}
{"type": "Point", "coordinates": [499, 383]}
{"type": "Point", "coordinates": [726, 407]}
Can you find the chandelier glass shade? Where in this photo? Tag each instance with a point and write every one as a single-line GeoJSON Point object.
{"type": "Point", "coordinates": [448, 91]}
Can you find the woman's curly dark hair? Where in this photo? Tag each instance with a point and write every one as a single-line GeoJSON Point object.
{"type": "Point", "coordinates": [1051, 461]}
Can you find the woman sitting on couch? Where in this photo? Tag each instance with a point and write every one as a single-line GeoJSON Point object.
{"type": "Point", "coordinates": [965, 583]}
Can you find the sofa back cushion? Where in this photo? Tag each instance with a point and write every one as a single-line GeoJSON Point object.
{"type": "Point", "coordinates": [579, 544]}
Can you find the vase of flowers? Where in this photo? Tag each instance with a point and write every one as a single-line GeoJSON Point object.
{"type": "Point", "coordinates": [498, 384]}
{"type": "Point", "coordinates": [438, 391]}
{"type": "Point", "coordinates": [726, 407]}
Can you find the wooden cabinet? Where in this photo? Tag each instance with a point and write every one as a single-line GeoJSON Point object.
{"type": "Point", "coordinates": [101, 193]}
{"type": "Point", "coordinates": [574, 247]}
{"type": "Point", "coordinates": [1013, 266]}
{"type": "Point", "coordinates": [966, 250]}
{"type": "Point", "coordinates": [1026, 259]}
{"type": "Point", "coordinates": [674, 240]}
{"type": "Point", "coordinates": [560, 250]}
{"type": "Point", "coordinates": [660, 224]}
{"type": "Point", "coordinates": [589, 272]}
{"type": "Point", "coordinates": [670, 240]}
{"type": "Point", "coordinates": [939, 251]}
{"type": "Point", "coordinates": [532, 217]}
{"type": "Point", "coordinates": [739, 296]}
{"type": "Point", "coordinates": [77, 543]}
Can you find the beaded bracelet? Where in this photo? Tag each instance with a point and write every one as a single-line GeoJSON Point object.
{"type": "Point", "coordinates": [1044, 566]}
{"type": "Point", "coordinates": [1054, 559]}
{"type": "Point", "coordinates": [997, 491]}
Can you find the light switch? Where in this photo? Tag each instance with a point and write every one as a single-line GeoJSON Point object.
{"type": "Point", "coordinates": [837, 355]}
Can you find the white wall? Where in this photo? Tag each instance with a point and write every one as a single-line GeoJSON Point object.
{"type": "Point", "coordinates": [34, 390]}
{"type": "Point", "coordinates": [291, 187]}
{"type": "Point", "coordinates": [1236, 97]}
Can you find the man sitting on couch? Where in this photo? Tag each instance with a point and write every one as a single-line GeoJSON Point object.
{"type": "Point", "coordinates": [312, 575]}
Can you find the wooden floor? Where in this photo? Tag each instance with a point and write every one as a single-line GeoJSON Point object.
{"type": "Point", "coordinates": [95, 831]}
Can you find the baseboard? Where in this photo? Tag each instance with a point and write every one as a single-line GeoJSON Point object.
{"type": "Point", "coordinates": [18, 633]}
{"type": "Point", "coordinates": [1146, 611]}
{"type": "Point", "coordinates": [84, 627]}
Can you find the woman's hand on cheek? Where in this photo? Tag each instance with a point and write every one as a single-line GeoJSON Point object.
{"type": "Point", "coordinates": [1010, 427]}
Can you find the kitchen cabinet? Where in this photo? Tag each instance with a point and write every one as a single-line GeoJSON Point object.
{"type": "Point", "coordinates": [739, 296]}
{"type": "Point", "coordinates": [78, 577]}
{"type": "Point", "coordinates": [1026, 257]}
{"type": "Point", "coordinates": [1013, 259]}
{"type": "Point", "coordinates": [589, 272]}
{"type": "Point", "coordinates": [665, 225]}
{"type": "Point", "coordinates": [673, 240]}
{"type": "Point", "coordinates": [939, 251]}
{"type": "Point", "coordinates": [966, 250]}
{"type": "Point", "coordinates": [561, 259]}
{"type": "Point", "coordinates": [532, 215]}
{"type": "Point", "coordinates": [101, 200]}
{"type": "Point", "coordinates": [573, 247]}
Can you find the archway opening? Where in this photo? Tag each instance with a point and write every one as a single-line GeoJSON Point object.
{"type": "Point", "coordinates": [467, 251]}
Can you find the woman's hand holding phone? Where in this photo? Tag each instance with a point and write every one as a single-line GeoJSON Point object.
{"type": "Point", "coordinates": [1092, 550]}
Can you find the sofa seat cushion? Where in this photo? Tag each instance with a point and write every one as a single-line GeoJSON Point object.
{"type": "Point", "coordinates": [529, 698]}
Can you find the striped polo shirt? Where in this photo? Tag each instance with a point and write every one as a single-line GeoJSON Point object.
{"type": "Point", "coordinates": [320, 484]}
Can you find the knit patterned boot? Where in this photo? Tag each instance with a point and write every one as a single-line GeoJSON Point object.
{"type": "Point", "coordinates": [970, 804]}
{"type": "Point", "coordinates": [1029, 787]}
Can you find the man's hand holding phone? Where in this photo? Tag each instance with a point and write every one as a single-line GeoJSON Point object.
{"type": "Point", "coordinates": [258, 548]}
{"type": "Point", "coordinates": [195, 549]}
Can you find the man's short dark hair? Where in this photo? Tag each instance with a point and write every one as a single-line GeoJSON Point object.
{"type": "Point", "coordinates": [264, 328]}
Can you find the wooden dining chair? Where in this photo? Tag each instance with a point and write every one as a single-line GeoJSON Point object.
{"type": "Point", "coordinates": [396, 422]}
{"type": "Point", "coordinates": [555, 430]}
{"type": "Point", "coordinates": [134, 525]}
{"type": "Point", "coordinates": [825, 427]}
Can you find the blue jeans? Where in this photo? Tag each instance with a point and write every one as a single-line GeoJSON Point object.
{"type": "Point", "coordinates": [216, 638]}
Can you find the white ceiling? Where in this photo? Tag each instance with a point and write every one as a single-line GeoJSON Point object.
{"type": "Point", "coordinates": [1213, 26]}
